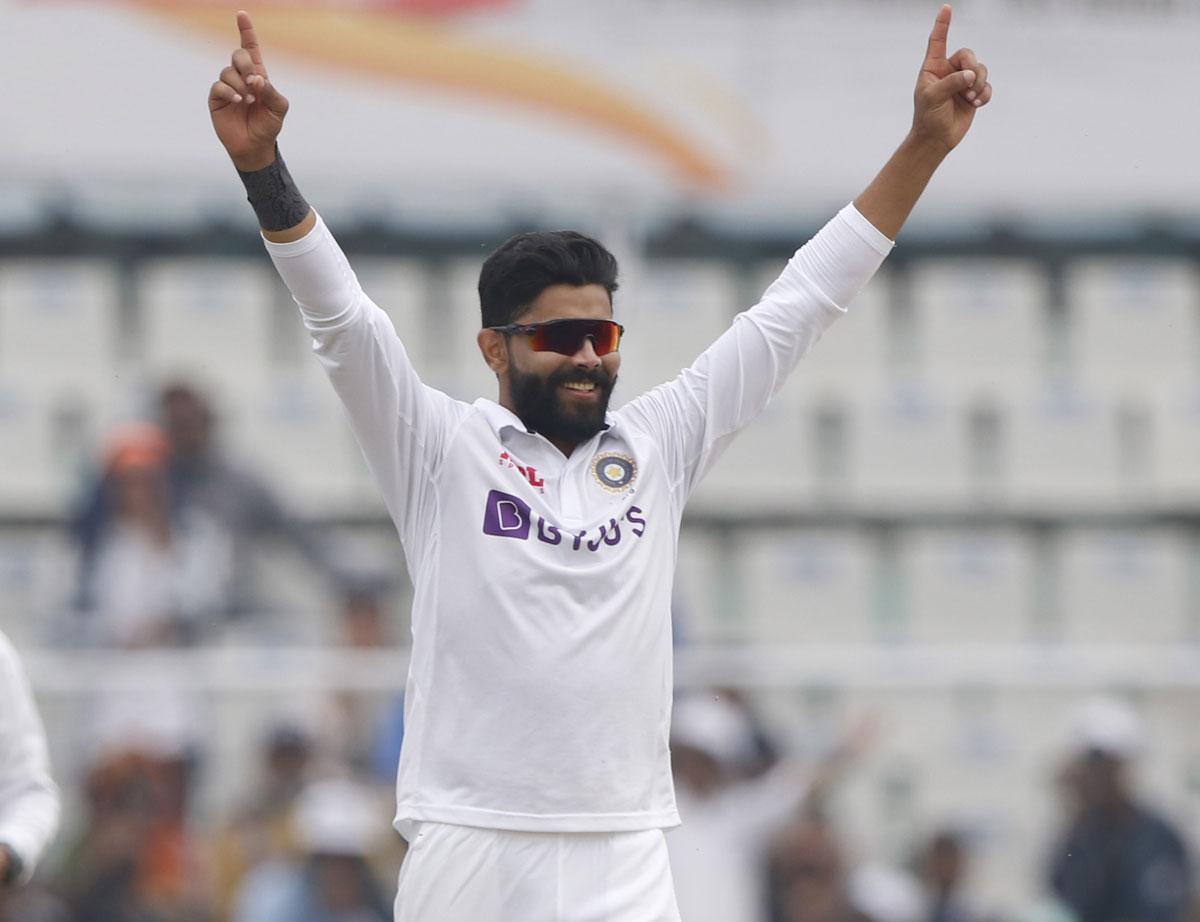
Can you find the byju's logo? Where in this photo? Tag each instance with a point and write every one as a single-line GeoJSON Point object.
{"type": "Point", "coordinates": [506, 516]}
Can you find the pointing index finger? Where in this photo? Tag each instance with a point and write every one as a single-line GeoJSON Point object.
{"type": "Point", "coordinates": [937, 38]}
{"type": "Point", "coordinates": [250, 41]}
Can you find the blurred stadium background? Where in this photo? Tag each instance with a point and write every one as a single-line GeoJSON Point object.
{"type": "Point", "coordinates": [976, 506]}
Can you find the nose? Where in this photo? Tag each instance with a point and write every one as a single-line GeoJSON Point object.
{"type": "Point", "coordinates": [585, 356]}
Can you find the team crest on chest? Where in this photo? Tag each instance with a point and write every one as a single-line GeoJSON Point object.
{"type": "Point", "coordinates": [614, 471]}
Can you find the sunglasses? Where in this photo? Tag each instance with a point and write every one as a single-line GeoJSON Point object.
{"type": "Point", "coordinates": [566, 336]}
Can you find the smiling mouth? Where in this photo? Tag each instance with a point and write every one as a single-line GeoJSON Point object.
{"type": "Point", "coordinates": [583, 387]}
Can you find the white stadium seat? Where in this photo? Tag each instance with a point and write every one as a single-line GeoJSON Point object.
{"type": "Point", "coordinates": [31, 480]}
{"type": "Point", "coordinates": [816, 586]}
{"type": "Point", "coordinates": [910, 446]}
{"type": "Point", "coordinates": [981, 322]}
{"type": "Point", "coordinates": [968, 586]}
{"type": "Point", "coordinates": [59, 324]}
{"type": "Point", "coordinates": [1134, 317]}
{"type": "Point", "coordinates": [1063, 447]}
{"type": "Point", "coordinates": [672, 310]}
{"type": "Point", "coordinates": [293, 429]}
{"type": "Point", "coordinates": [704, 609]}
{"type": "Point", "coordinates": [1127, 586]}
{"type": "Point", "coordinates": [1178, 441]}
{"type": "Point", "coordinates": [212, 319]}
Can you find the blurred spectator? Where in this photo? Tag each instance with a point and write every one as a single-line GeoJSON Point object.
{"type": "Point", "coordinates": [718, 854]}
{"type": "Point", "coordinates": [807, 872]}
{"type": "Point", "coordinates": [137, 859]}
{"type": "Point", "coordinates": [339, 825]}
{"type": "Point", "coordinates": [149, 581]}
{"type": "Point", "coordinates": [29, 801]}
{"type": "Point", "coordinates": [942, 867]}
{"type": "Point", "coordinates": [1117, 861]}
{"type": "Point", "coordinates": [263, 828]}
{"type": "Point", "coordinates": [208, 501]}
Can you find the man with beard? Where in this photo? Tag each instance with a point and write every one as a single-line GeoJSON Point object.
{"type": "Point", "coordinates": [540, 530]}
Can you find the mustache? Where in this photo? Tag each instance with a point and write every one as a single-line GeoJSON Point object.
{"type": "Point", "coordinates": [597, 376]}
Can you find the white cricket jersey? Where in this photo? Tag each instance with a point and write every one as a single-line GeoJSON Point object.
{"type": "Point", "coordinates": [29, 799]}
{"type": "Point", "coordinates": [539, 689]}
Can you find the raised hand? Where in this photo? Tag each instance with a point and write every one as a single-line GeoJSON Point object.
{"type": "Point", "coordinates": [949, 89]}
{"type": "Point", "coordinates": [247, 111]}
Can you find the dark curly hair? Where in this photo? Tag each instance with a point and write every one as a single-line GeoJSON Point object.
{"type": "Point", "coordinates": [524, 266]}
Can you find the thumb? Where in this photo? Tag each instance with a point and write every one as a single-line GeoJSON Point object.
{"type": "Point", "coordinates": [958, 82]}
{"type": "Point", "coordinates": [270, 97]}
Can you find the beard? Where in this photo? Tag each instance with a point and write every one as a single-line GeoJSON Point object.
{"type": "Point", "coordinates": [542, 407]}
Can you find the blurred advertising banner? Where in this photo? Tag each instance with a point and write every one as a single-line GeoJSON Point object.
{"type": "Point", "coordinates": [757, 108]}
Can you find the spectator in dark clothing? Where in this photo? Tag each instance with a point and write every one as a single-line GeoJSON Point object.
{"type": "Point", "coordinates": [206, 493]}
{"type": "Point", "coordinates": [942, 868]}
{"type": "Point", "coordinates": [1117, 861]}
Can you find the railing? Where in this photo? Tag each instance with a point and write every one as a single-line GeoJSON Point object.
{"type": "Point", "coordinates": [908, 666]}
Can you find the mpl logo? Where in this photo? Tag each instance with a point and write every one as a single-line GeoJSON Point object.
{"type": "Point", "coordinates": [506, 516]}
{"type": "Point", "coordinates": [528, 472]}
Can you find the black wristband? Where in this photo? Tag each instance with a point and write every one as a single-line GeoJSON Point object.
{"type": "Point", "coordinates": [274, 196]}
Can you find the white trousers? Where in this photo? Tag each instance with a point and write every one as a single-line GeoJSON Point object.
{"type": "Point", "coordinates": [465, 874]}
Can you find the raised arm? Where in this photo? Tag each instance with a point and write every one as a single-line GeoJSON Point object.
{"type": "Point", "coordinates": [247, 115]}
{"type": "Point", "coordinates": [402, 426]}
{"type": "Point", "coordinates": [949, 90]}
{"type": "Point", "coordinates": [694, 416]}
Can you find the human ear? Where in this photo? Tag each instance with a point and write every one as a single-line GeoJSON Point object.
{"type": "Point", "coordinates": [494, 348]}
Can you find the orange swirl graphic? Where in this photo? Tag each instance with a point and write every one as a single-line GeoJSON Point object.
{"type": "Point", "coordinates": [426, 52]}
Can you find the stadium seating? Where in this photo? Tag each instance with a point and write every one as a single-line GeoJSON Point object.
{"type": "Point", "coordinates": [62, 375]}
{"type": "Point", "coordinates": [968, 586]}
{"type": "Point", "coordinates": [1136, 321]}
{"type": "Point", "coordinates": [818, 586]}
{"type": "Point", "coordinates": [1127, 586]}
{"type": "Point", "coordinates": [212, 319]}
{"type": "Point", "coordinates": [981, 323]}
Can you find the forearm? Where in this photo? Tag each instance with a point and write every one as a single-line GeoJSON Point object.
{"type": "Point", "coordinates": [318, 275]}
{"type": "Point", "coordinates": [889, 199]}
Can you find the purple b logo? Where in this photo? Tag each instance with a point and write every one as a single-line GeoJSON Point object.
{"type": "Point", "coordinates": [506, 516]}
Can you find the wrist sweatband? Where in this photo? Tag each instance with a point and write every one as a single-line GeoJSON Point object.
{"type": "Point", "coordinates": [274, 196]}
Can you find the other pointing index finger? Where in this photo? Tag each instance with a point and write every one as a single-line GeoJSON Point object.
{"type": "Point", "coordinates": [937, 38]}
{"type": "Point", "coordinates": [250, 40]}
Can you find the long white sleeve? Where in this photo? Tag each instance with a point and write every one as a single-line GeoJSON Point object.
{"type": "Point", "coordinates": [693, 416]}
{"type": "Point", "coordinates": [402, 425]}
{"type": "Point", "coordinates": [29, 800]}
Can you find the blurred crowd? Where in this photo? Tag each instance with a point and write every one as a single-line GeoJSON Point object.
{"type": "Point", "coordinates": [167, 529]}
{"type": "Point", "coordinates": [165, 536]}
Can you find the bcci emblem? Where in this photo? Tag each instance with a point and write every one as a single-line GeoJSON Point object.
{"type": "Point", "coordinates": [614, 472]}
